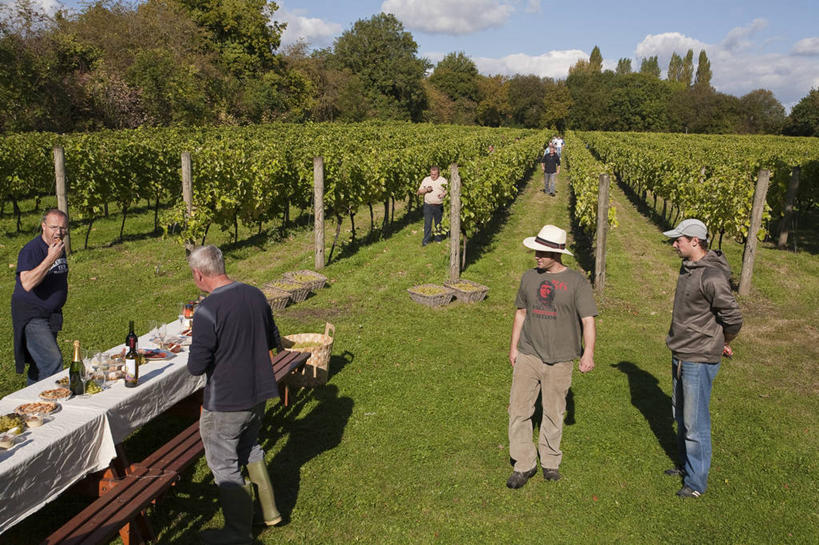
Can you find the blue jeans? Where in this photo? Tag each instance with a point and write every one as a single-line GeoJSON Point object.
{"type": "Point", "coordinates": [690, 404]}
{"type": "Point", "coordinates": [41, 343]}
{"type": "Point", "coordinates": [231, 442]}
{"type": "Point", "coordinates": [432, 213]}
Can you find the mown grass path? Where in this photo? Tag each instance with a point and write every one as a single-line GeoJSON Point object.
{"type": "Point", "coordinates": [407, 442]}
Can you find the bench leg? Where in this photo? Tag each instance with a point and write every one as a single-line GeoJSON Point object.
{"type": "Point", "coordinates": [137, 532]}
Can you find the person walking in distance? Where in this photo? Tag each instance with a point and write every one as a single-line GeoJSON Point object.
{"type": "Point", "coordinates": [553, 326]}
{"type": "Point", "coordinates": [705, 319]}
{"type": "Point", "coordinates": [433, 188]}
{"type": "Point", "coordinates": [550, 165]}
{"type": "Point", "coordinates": [233, 335]}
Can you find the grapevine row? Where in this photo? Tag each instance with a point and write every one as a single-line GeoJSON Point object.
{"type": "Point", "coordinates": [710, 177]}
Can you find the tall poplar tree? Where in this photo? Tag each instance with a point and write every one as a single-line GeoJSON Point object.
{"type": "Point", "coordinates": [623, 67]}
{"type": "Point", "coordinates": [650, 66]}
{"type": "Point", "coordinates": [596, 60]}
{"type": "Point", "coordinates": [675, 68]}
{"type": "Point", "coordinates": [703, 79]}
{"type": "Point", "coordinates": [688, 68]}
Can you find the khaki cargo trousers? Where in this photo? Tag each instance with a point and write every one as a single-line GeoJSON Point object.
{"type": "Point", "coordinates": [530, 377]}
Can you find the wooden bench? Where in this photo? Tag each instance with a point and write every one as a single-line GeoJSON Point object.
{"type": "Point", "coordinates": [113, 511]}
{"type": "Point", "coordinates": [285, 363]}
{"type": "Point", "coordinates": [121, 505]}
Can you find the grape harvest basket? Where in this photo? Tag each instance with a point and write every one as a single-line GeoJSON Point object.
{"type": "Point", "coordinates": [313, 279]}
{"type": "Point", "coordinates": [431, 295]}
{"type": "Point", "coordinates": [276, 298]}
{"type": "Point", "coordinates": [320, 347]}
{"type": "Point", "coordinates": [298, 291]}
{"type": "Point", "coordinates": [467, 290]}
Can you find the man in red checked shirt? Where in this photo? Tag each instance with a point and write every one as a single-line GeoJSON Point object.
{"type": "Point", "coordinates": [554, 325]}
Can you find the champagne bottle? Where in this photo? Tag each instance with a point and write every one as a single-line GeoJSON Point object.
{"type": "Point", "coordinates": [131, 357]}
{"type": "Point", "coordinates": [75, 372]}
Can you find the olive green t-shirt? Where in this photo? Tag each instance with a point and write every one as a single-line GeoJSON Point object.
{"type": "Point", "coordinates": [554, 303]}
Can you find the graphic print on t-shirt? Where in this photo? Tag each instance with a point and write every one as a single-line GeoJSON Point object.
{"type": "Point", "coordinates": [546, 297]}
{"type": "Point", "coordinates": [60, 266]}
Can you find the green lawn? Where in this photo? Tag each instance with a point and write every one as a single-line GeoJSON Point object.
{"type": "Point", "coordinates": [407, 442]}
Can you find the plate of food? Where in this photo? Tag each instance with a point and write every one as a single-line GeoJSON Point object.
{"type": "Point", "coordinates": [55, 394]}
{"type": "Point", "coordinates": [155, 354]}
{"type": "Point", "coordinates": [37, 407]}
{"type": "Point", "coordinates": [11, 421]}
{"type": "Point", "coordinates": [62, 381]}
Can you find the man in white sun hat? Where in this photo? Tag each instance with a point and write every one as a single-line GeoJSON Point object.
{"type": "Point", "coordinates": [706, 318]}
{"type": "Point", "coordinates": [554, 325]}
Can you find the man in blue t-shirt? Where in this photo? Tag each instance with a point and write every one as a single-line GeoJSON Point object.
{"type": "Point", "coordinates": [39, 295]}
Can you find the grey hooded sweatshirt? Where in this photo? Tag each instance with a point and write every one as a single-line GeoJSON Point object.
{"type": "Point", "coordinates": [704, 310]}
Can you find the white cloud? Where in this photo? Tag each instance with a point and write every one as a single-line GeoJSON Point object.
{"type": "Point", "coordinates": [47, 6]}
{"type": "Point", "coordinates": [664, 45]}
{"type": "Point", "coordinates": [533, 6]}
{"type": "Point", "coordinates": [739, 38]}
{"type": "Point", "coordinates": [807, 46]}
{"type": "Point", "coordinates": [449, 16]}
{"type": "Point", "coordinates": [554, 64]}
{"type": "Point", "coordinates": [738, 68]}
{"type": "Point", "coordinates": [316, 32]}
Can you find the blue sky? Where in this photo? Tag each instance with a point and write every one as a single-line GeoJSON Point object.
{"type": "Point", "coordinates": [751, 44]}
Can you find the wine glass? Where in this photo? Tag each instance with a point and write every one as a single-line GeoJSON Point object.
{"type": "Point", "coordinates": [161, 333]}
{"type": "Point", "coordinates": [88, 361]}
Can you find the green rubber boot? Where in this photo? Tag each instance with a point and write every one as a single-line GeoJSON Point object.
{"type": "Point", "coordinates": [260, 478]}
{"type": "Point", "coordinates": [237, 508]}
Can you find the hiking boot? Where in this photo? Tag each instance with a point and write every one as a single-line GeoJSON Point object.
{"type": "Point", "coordinates": [551, 474]}
{"type": "Point", "coordinates": [688, 492]}
{"type": "Point", "coordinates": [674, 471]}
{"type": "Point", "coordinates": [517, 479]}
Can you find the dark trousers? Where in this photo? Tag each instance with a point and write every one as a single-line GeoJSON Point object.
{"type": "Point", "coordinates": [432, 212]}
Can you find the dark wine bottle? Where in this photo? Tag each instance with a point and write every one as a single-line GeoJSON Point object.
{"type": "Point", "coordinates": [131, 358]}
{"type": "Point", "coordinates": [75, 372]}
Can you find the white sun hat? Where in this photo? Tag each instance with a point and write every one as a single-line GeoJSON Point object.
{"type": "Point", "coordinates": [549, 239]}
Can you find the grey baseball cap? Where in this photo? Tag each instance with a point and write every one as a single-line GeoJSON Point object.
{"type": "Point", "coordinates": [689, 228]}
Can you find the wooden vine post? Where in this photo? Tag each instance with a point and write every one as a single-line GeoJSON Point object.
{"type": "Point", "coordinates": [62, 196]}
{"type": "Point", "coordinates": [318, 204]}
{"type": "Point", "coordinates": [454, 223]}
{"type": "Point", "coordinates": [790, 196]}
{"type": "Point", "coordinates": [601, 232]}
{"type": "Point", "coordinates": [749, 254]}
{"type": "Point", "coordinates": [187, 193]}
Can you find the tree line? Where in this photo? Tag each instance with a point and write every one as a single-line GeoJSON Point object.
{"type": "Point", "coordinates": [116, 64]}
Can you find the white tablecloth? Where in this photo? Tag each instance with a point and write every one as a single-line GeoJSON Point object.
{"type": "Point", "coordinates": [81, 437]}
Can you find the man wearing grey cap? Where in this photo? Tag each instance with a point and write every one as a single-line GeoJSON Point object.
{"type": "Point", "coordinates": [705, 319]}
{"type": "Point", "coordinates": [553, 326]}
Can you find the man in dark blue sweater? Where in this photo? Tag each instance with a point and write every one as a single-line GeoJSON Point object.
{"type": "Point", "coordinates": [233, 334]}
{"type": "Point", "coordinates": [39, 295]}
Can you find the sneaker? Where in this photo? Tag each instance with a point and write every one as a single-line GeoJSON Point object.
{"type": "Point", "coordinates": [688, 492]}
{"type": "Point", "coordinates": [674, 471]}
{"type": "Point", "coordinates": [551, 474]}
{"type": "Point", "coordinates": [517, 479]}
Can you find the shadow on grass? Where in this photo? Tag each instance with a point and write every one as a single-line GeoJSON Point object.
{"type": "Point", "coordinates": [653, 403]}
{"type": "Point", "coordinates": [374, 235]}
{"type": "Point", "coordinates": [309, 436]}
{"type": "Point", "coordinates": [804, 236]}
{"type": "Point", "coordinates": [643, 207]}
{"type": "Point", "coordinates": [583, 240]}
{"type": "Point", "coordinates": [482, 240]}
